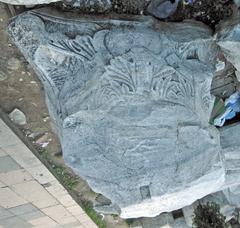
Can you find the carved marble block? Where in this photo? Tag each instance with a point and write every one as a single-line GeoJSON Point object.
{"type": "Point", "coordinates": [131, 102]}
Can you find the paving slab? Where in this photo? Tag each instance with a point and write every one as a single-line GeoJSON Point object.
{"type": "Point", "coordinates": [59, 214]}
{"type": "Point", "coordinates": [22, 155]}
{"type": "Point", "coordinates": [6, 135]}
{"type": "Point", "coordinates": [75, 210]}
{"type": "Point", "coordinates": [2, 152]}
{"type": "Point", "coordinates": [67, 200]}
{"type": "Point", "coordinates": [2, 184]}
{"type": "Point", "coordinates": [56, 189]}
{"type": "Point", "coordinates": [32, 215]}
{"type": "Point", "coordinates": [23, 209]}
{"type": "Point", "coordinates": [5, 213]}
{"type": "Point", "coordinates": [14, 222]}
{"type": "Point", "coordinates": [15, 177]}
{"type": "Point", "coordinates": [35, 193]}
{"type": "Point", "coordinates": [41, 174]}
{"type": "Point", "coordinates": [8, 164]}
{"type": "Point", "coordinates": [46, 221]}
{"type": "Point", "coordinates": [9, 198]}
{"type": "Point", "coordinates": [29, 193]}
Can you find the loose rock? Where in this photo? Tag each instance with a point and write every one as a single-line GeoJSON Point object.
{"type": "Point", "coordinates": [162, 8]}
{"type": "Point", "coordinates": [229, 40]}
{"type": "Point", "coordinates": [18, 117]}
{"type": "Point", "coordinates": [13, 64]}
{"type": "Point", "coordinates": [3, 76]}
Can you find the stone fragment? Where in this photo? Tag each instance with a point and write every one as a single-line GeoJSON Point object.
{"type": "Point", "coordinates": [180, 223]}
{"type": "Point", "coordinates": [28, 2]}
{"type": "Point", "coordinates": [3, 76]}
{"type": "Point", "coordinates": [162, 8]}
{"type": "Point", "coordinates": [130, 100]}
{"type": "Point", "coordinates": [229, 136]}
{"type": "Point", "coordinates": [228, 36]}
{"type": "Point", "coordinates": [18, 117]}
{"type": "Point", "coordinates": [238, 75]}
{"type": "Point", "coordinates": [188, 213]}
{"type": "Point", "coordinates": [163, 220]}
{"type": "Point", "coordinates": [13, 64]}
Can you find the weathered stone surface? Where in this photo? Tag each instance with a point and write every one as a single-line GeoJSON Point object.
{"type": "Point", "coordinates": [162, 8]}
{"type": "Point", "coordinates": [230, 137]}
{"type": "Point", "coordinates": [163, 220]}
{"type": "Point", "coordinates": [188, 213]}
{"type": "Point", "coordinates": [18, 117]}
{"type": "Point", "coordinates": [180, 223]}
{"type": "Point", "coordinates": [229, 40]}
{"type": "Point", "coordinates": [28, 2]}
{"type": "Point", "coordinates": [13, 63]}
{"type": "Point", "coordinates": [131, 103]}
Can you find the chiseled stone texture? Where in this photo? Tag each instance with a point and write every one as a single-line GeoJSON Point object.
{"type": "Point", "coordinates": [131, 103]}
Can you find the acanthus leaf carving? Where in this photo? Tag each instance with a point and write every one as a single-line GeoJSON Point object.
{"type": "Point", "coordinates": [80, 47]}
{"type": "Point", "coordinates": [127, 76]}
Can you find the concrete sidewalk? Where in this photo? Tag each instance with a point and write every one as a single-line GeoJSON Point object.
{"type": "Point", "coordinates": [30, 196]}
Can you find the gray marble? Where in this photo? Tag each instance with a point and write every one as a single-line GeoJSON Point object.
{"type": "Point", "coordinates": [131, 102]}
{"type": "Point", "coordinates": [228, 37]}
{"type": "Point", "coordinates": [162, 8]}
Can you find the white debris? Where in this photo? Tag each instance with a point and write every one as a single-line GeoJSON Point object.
{"type": "Point", "coordinates": [220, 66]}
{"type": "Point", "coordinates": [3, 76]}
{"type": "Point", "coordinates": [13, 63]}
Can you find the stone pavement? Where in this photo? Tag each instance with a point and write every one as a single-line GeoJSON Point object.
{"type": "Point", "coordinates": [30, 196]}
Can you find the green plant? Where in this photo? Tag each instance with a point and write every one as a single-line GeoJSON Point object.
{"type": "Point", "coordinates": [64, 176]}
{"type": "Point", "coordinates": [129, 221]}
{"type": "Point", "coordinates": [88, 208]}
{"type": "Point", "coordinates": [208, 216]}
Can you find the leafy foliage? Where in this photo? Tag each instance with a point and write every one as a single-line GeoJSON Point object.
{"type": "Point", "coordinates": [88, 208]}
{"type": "Point", "coordinates": [208, 216]}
